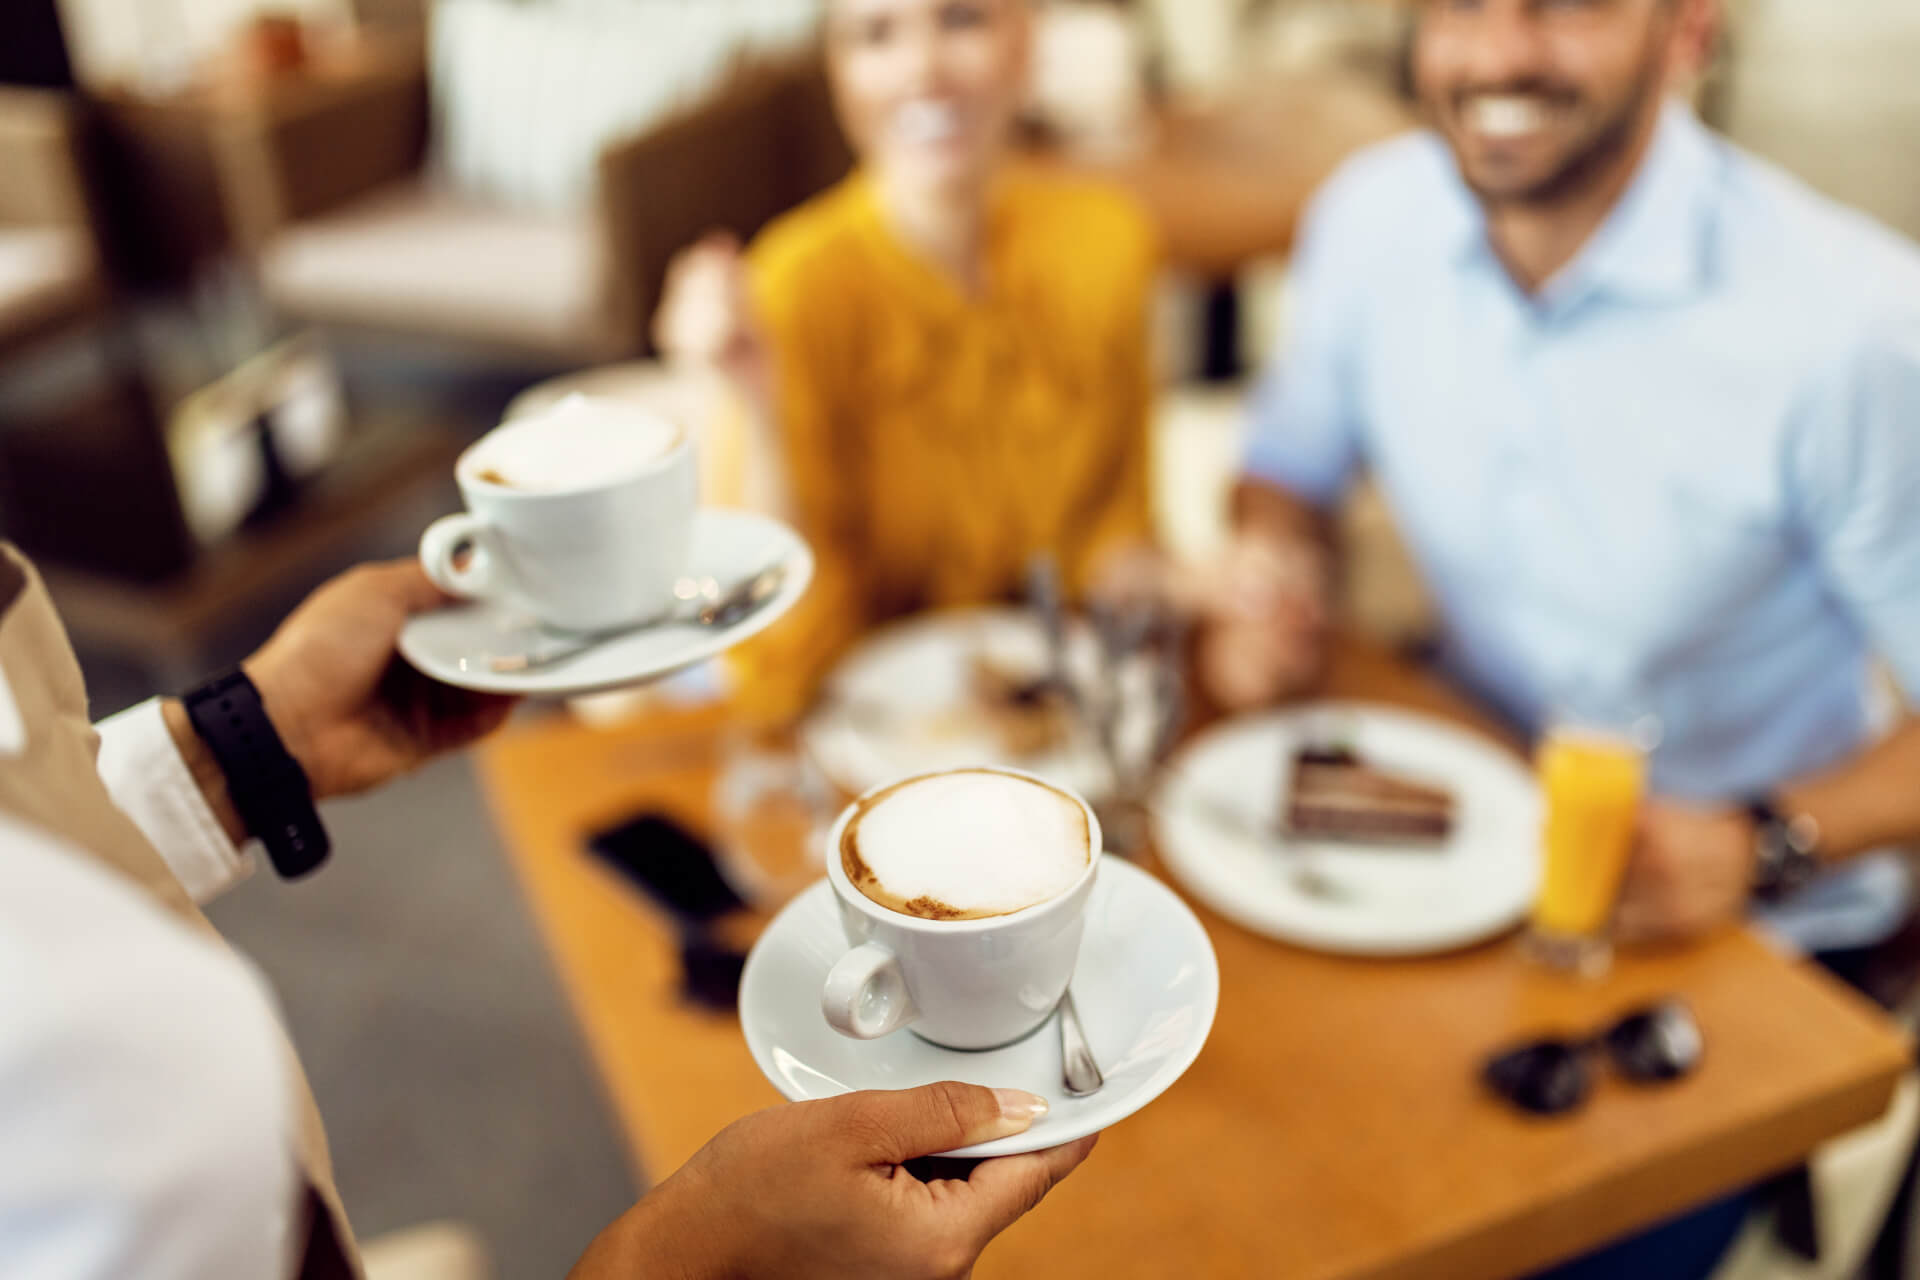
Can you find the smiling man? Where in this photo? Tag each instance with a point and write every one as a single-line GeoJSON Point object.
{"type": "Point", "coordinates": [1648, 413]}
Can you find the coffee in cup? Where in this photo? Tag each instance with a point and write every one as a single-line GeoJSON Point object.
{"type": "Point", "coordinates": [576, 446]}
{"type": "Point", "coordinates": [580, 515]}
{"type": "Point", "coordinates": [963, 895]}
{"type": "Point", "coordinates": [966, 845]}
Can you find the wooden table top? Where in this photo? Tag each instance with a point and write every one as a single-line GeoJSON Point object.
{"type": "Point", "coordinates": [1331, 1128]}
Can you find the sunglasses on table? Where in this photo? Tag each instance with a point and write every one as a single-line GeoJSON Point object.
{"type": "Point", "coordinates": [1551, 1076]}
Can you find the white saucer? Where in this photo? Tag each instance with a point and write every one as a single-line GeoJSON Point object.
{"type": "Point", "coordinates": [455, 645]}
{"type": "Point", "coordinates": [1146, 990]}
{"type": "Point", "coordinates": [1475, 884]}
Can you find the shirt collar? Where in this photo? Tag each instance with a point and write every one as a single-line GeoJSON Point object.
{"type": "Point", "coordinates": [1653, 245]}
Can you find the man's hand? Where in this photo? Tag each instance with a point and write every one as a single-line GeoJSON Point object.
{"type": "Point", "coordinates": [817, 1189]}
{"type": "Point", "coordinates": [349, 709]}
{"type": "Point", "coordinates": [1692, 872]}
{"type": "Point", "coordinates": [1266, 609]}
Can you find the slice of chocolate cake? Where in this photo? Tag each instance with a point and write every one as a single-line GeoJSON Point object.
{"type": "Point", "coordinates": [1335, 795]}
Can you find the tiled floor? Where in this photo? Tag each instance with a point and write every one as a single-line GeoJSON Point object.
{"type": "Point", "coordinates": [441, 1050]}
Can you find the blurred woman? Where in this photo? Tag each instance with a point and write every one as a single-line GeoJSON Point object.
{"type": "Point", "coordinates": [948, 354]}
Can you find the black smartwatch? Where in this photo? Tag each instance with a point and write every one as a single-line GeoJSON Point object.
{"type": "Point", "coordinates": [1786, 850]}
{"type": "Point", "coordinates": [268, 787]}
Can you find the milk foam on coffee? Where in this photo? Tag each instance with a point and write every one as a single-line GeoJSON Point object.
{"type": "Point", "coordinates": [966, 845]}
{"type": "Point", "coordinates": [578, 444]}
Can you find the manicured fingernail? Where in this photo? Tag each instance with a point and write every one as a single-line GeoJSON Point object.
{"type": "Point", "coordinates": [1020, 1107]}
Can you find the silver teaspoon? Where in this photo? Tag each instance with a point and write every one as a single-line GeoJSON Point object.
{"type": "Point", "coordinates": [709, 610]}
{"type": "Point", "coordinates": [1079, 1071]}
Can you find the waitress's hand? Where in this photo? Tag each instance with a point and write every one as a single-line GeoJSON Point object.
{"type": "Point", "coordinates": [816, 1189]}
{"type": "Point", "coordinates": [347, 706]}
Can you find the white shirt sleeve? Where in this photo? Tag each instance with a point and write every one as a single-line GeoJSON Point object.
{"type": "Point", "coordinates": [146, 1110]}
{"type": "Point", "coordinates": [149, 780]}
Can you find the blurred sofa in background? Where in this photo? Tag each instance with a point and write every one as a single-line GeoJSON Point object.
{"type": "Point", "coordinates": [521, 182]}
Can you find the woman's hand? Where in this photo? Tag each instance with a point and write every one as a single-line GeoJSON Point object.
{"type": "Point", "coordinates": [706, 312]}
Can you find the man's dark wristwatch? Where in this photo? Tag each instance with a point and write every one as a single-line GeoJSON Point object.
{"type": "Point", "coordinates": [268, 787]}
{"type": "Point", "coordinates": [1786, 850]}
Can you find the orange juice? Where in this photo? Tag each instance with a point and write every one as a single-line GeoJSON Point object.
{"type": "Point", "coordinates": [1592, 785]}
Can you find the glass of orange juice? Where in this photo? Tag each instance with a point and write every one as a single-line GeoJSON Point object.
{"type": "Point", "coordinates": [1592, 780]}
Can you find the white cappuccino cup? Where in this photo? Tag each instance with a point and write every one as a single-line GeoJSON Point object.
{"type": "Point", "coordinates": [963, 895]}
{"type": "Point", "coordinates": [581, 515]}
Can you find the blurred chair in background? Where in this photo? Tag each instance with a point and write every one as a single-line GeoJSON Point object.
{"type": "Point", "coordinates": [488, 191]}
{"type": "Point", "coordinates": [81, 445]}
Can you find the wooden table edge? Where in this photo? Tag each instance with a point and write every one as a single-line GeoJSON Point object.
{"type": "Point", "coordinates": [1699, 1179]}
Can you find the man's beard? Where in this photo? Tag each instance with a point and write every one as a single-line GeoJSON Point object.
{"type": "Point", "coordinates": [1592, 161]}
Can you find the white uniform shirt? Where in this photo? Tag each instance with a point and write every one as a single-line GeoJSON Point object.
{"type": "Point", "coordinates": [146, 1117]}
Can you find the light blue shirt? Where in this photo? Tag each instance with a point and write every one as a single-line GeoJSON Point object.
{"type": "Point", "coordinates": [1681, 478]}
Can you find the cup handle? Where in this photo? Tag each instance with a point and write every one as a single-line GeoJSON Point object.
{"type": "Point", "coordinates": [866, 995]}
{"type": "Point", "coordinates": [440, 546]}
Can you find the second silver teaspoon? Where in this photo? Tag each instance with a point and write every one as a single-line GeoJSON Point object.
{"type": "Point", "coordinates": [1079, 1072]}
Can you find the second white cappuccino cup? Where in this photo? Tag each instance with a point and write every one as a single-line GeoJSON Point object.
{"type": "Point", "coordinates": [964, 984]}
{"type": "Point", "coordinates": [581, 515]}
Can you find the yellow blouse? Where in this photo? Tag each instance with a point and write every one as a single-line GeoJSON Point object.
{"type": "Point", "coordinates": [933, 441]}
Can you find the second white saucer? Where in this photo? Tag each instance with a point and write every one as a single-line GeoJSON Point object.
{"type": "Point", "coordinates": [1146, 987]}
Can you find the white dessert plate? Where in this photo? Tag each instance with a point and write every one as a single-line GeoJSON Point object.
{"type": "Point", "coordinates": [1223, 793]}
{"type": "Point", "coordinates": [902, 703]}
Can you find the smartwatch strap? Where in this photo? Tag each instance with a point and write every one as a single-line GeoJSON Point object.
{"type": "Point", "coordinates": [268, 787]}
